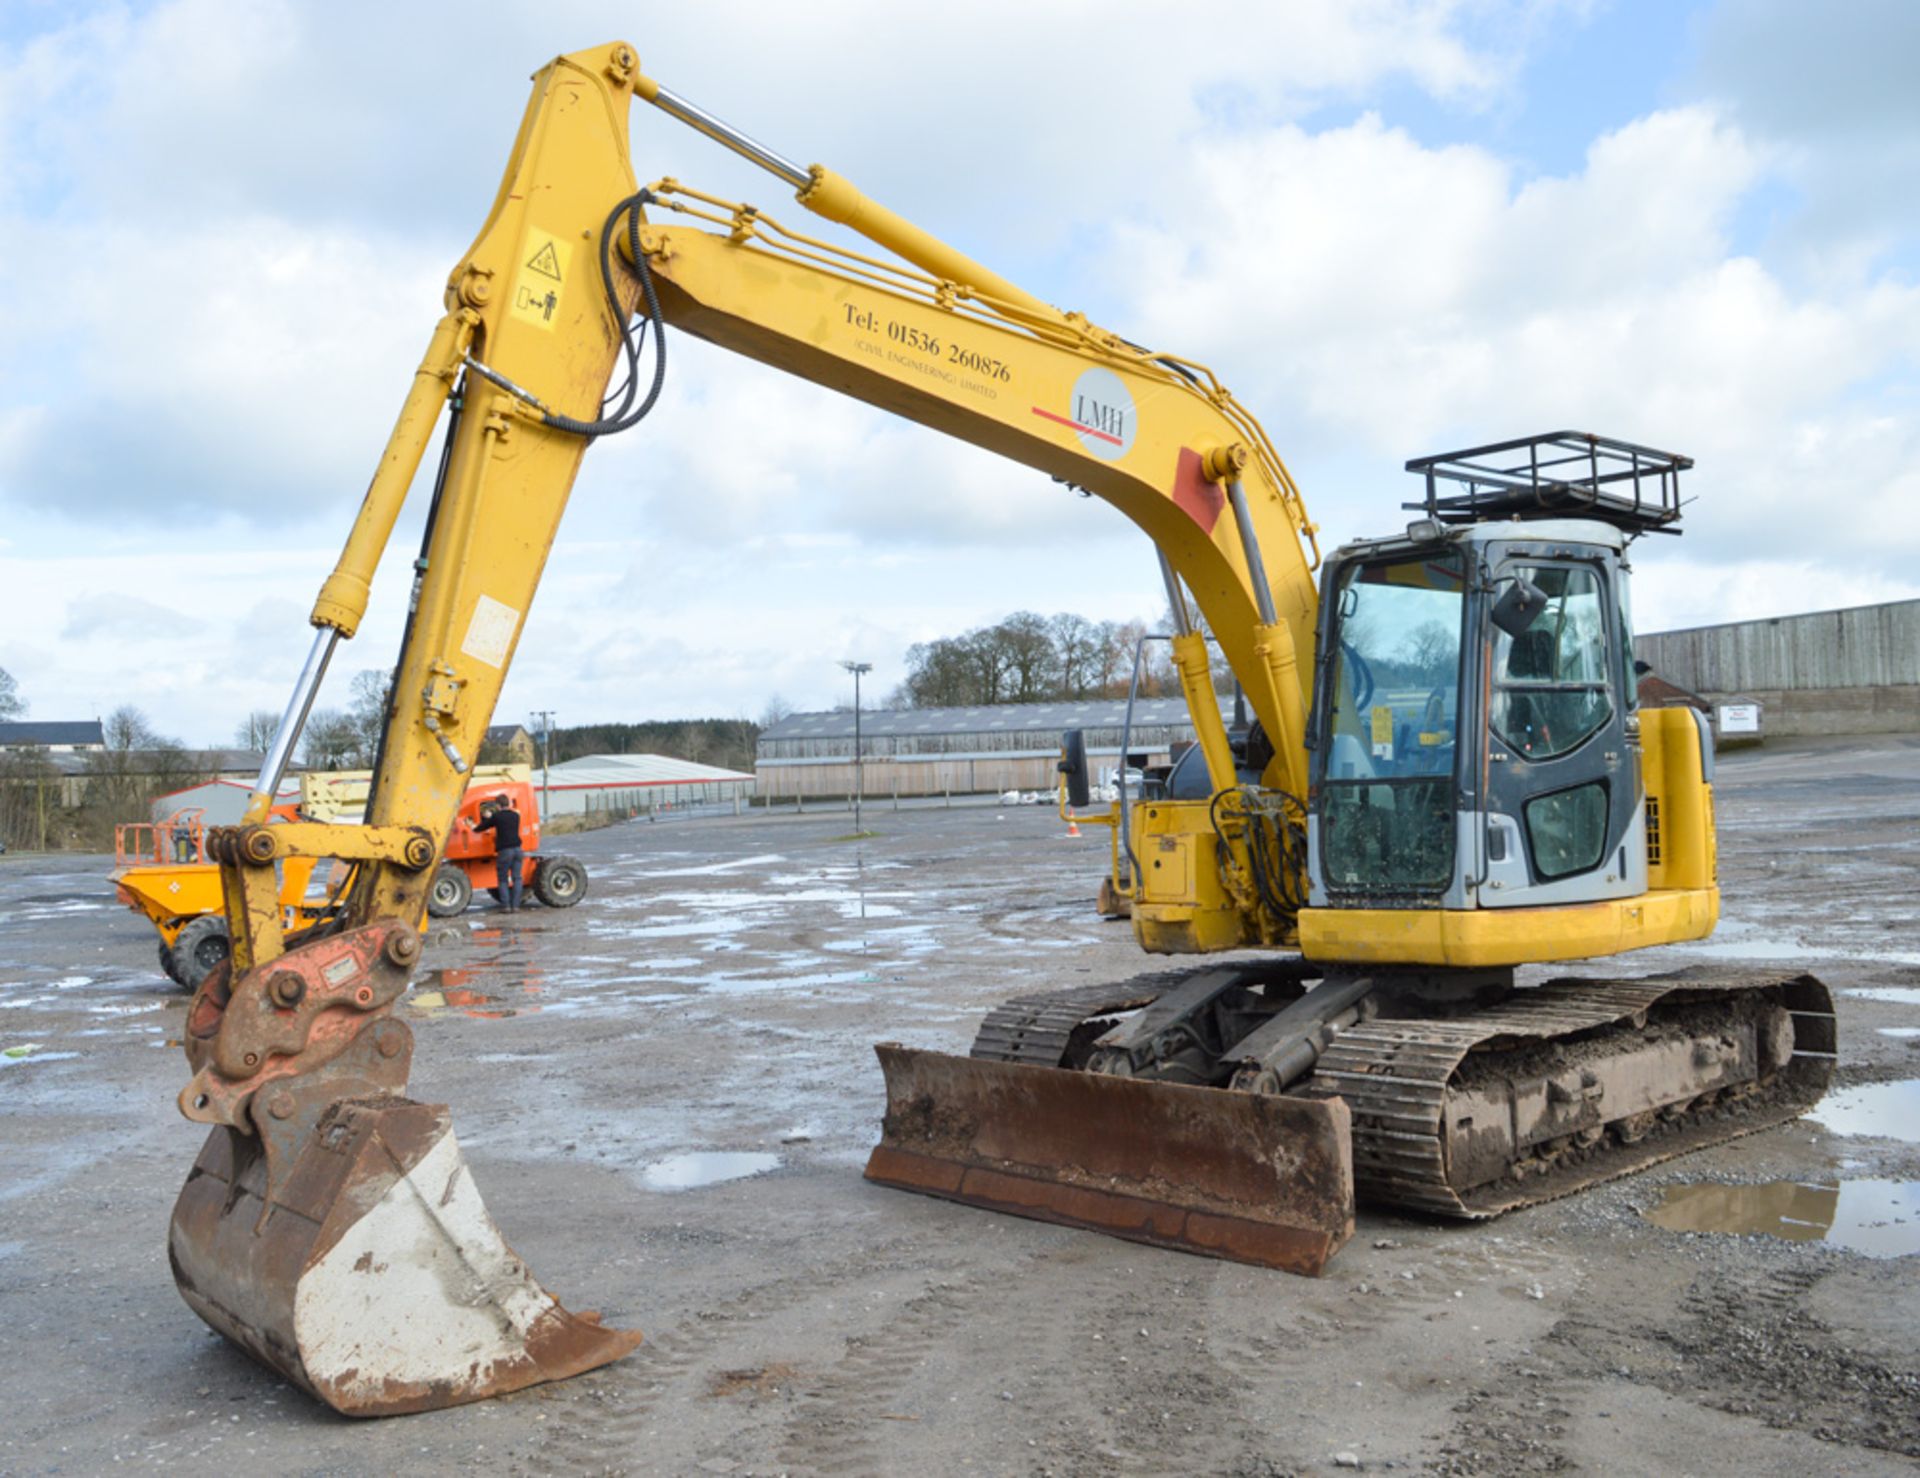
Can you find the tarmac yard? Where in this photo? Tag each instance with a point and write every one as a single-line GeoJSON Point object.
{"type": "Point", "coordinates": [667, 1095]}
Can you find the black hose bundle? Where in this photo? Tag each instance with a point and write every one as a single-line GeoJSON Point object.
{"type": "Point", "coordinates": [626, 415]}
{"type": "Point", "coordinates": [1273, 826]}
{"type": "Point", "coordinates": [633, 338]}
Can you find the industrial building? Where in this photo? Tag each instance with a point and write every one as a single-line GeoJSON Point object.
{"type": "Point", "coordinates": [221, 801]}
{"type": "Point", "coordinates": [637, 784]}
{"type": "Point", "coordinates": [955, 751]}
{"type": "Point", "coordinates": [80, 736]}
{"type": "Point", "coordinates": [1852, 671]}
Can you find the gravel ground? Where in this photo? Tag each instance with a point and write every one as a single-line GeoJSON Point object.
{"type": "Point", "coordinates": [718, 992]}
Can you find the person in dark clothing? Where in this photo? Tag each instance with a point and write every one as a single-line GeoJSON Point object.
{"type": "Point", "coordinates": [504, 822]}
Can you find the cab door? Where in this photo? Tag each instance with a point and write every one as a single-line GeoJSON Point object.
{"type": "Point", "coordinates": [1562, 788]}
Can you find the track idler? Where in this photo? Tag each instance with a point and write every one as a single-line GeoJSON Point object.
{"type": "Point", "coordinates": [331, 1227]}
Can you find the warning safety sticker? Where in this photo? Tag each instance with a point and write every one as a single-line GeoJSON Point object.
{"type": "Point", "coordinates": [542, 278]}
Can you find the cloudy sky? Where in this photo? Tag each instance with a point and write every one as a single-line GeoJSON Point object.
{"type": "Point", "coordinates": [1393, 226]}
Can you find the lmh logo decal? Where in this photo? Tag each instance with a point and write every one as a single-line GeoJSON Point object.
{"type": "Point", "coordinates": [1100, 412]}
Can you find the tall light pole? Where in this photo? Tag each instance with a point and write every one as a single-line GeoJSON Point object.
{"type": "Point", "coordinates": [545, 715]}
{"type": "Point", "coordinates": [859, 777]}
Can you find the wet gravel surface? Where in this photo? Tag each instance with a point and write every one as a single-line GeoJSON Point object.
{"type": "Point", "coordinates": [667, 1093]}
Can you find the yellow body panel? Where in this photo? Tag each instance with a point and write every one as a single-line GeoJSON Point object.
{"type": "Point", "coordinates": [1181, 903]}
{"type": "Point", "coordinates": [1030, 399]}
{"type": "Point", "coordinates": [1680, 836]}
{"type": "Point", "coordinates": [1474, 938]}
{"type": "Point", "coordinates": [174, 894]}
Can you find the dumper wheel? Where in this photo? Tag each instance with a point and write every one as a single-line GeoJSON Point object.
{"type": "Point", "coordinates": [200, 946]}
{"type": "Point", "coordinates": [560, 882]}
{"type": "Point", "coordinates": [168, 965]}
{"type": "Point", "coordinates": [452, 890]}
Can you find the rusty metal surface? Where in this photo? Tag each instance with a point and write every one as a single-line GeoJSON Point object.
{"type": "Point", "coordinates": [331, 1227]}
{"type": "Point", "coordinates": [369, 1273]}
{"type": "Point", "coordinates": [1265, 1180]}
{"type": "Point", "coordinates": [287, 1019]}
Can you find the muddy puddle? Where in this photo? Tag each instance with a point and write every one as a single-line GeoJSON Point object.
{"type": "Point", "coordinates": [1735, 939]}
{"type": "Point", "coordinates": [1893, 995]}
{"type": "Point", "coordinates": [1880, 1218]}
{"type": "Point", "coordinates": [1879, 1110]}
{"type": "Point", "coordinates": [441, 991]}
{"type": "Point", "coordinates": [705, 1167]}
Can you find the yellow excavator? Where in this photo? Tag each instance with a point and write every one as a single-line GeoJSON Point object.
{"type": "Point", "coordinates": [1445, 779]}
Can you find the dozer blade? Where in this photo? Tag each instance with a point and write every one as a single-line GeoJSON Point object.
{"type": "Point", "coordinates": [1249, 1177]}
{"type": "Point", "coordinates": [373, 1277]}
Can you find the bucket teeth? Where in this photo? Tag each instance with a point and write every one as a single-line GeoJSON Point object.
{"type": "Point", "coordinates": [1249, 1177]}
{"type": "Point", "coordinates": [370, 1273]}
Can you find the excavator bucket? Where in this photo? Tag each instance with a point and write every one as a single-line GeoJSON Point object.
{"type": "Point", "coordinates": [372, 1275]}
{"type": "Point", "coordinates": [1250, 1177]}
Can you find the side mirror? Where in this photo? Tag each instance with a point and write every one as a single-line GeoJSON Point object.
{"type": "Point", "coordinates": [1519, 604]}
{"type": "Point", "coordinates": [1073, 764]}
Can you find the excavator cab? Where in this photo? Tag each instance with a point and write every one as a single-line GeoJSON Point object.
{"type": "Point", "coordinates": [1459, 764]}
{"type": "Point", "coordinates": [1474, 746]}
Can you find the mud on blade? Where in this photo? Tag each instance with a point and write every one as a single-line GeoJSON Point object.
{"type": "Point", "coordinates": [1248, 1177]}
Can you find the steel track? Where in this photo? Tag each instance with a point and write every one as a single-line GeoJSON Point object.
{"type": "Point", "coordinates": [1394, 1074]}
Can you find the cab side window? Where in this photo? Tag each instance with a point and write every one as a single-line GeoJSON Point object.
{"type": "Point", "coordinates": [1551, 690]}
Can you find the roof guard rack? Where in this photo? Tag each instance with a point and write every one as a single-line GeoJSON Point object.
{"type": "Point", "coordinates": [1560, 474]}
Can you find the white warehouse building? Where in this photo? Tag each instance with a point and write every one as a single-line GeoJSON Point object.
{"type": "Point", "coordinates": [635, 784]}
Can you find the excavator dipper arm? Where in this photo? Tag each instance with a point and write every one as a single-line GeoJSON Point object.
{"type": "Point", "coordinates": [331, 1227]}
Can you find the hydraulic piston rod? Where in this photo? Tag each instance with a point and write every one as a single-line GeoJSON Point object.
{"type": "Point", "coordinates": [828, 194]}
{"type": "Point", "coordinates": [274, 769]}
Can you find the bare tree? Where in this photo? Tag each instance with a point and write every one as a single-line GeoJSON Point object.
{"type": "Point", "coordinates": [257, 729]}
{"type": "Point", "coordinates": [372, 696]}
{"type": "Point", "coordinates": [940, 674]}
{"type": "Point", "coordinates": [123, 779]}
{"type": "Point", "coordinates": [1032, 662]}
{"type": "Point", "coordinates": [12, 705]}
{"type": "Point", "coordinates": [29, 798]}
{"type": "Point", "coordinates": [777, 708]}
{"type": "Point", "coordinates": [331, 741]}
{"type": "Point", "coordinates": [1080, 648]}
{"type": "Point", "coordinates": [126, 729]}
{"type": "Point", "coordinates": [1431, 651]}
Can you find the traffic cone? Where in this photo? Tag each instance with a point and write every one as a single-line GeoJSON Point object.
{"type": "Point", "coordinates": [1073, 827]}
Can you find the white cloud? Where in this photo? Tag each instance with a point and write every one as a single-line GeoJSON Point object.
{"type": "Point", "coordinates": [234, 221]}
{"type": "Point", "coordinates": [1398, 299]}
{"type": "Point", "coordinates": [255, 370]}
